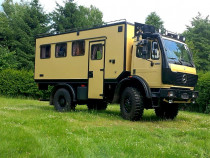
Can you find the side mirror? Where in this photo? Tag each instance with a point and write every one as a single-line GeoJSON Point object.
{"type": "Point", "coordinates": [154, 45]}
{"type": "Point", "coordinates": [155, 52]}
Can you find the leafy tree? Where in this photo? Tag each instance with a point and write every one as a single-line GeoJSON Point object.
{"type": "Point", "coordinates": [21, 23]}
{"type": "Point", "coordinates": [155, 20]}
{"type": "Point", "coordinates": [73, 16]}
{"type": "Point", "coordinates": [198, 39]}
{"type": "Point", "coordinates": [7, 59]}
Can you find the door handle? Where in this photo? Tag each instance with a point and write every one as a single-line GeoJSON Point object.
{"type": "Point", "coordinates": [90, 74]}
{"type": "Point", "coordinates": [112, 61]}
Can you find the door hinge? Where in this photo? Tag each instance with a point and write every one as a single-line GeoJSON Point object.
{"type": "Point", "coordinates": [101, 95]}
{"type": "Point", "coordinates": [101, 69]}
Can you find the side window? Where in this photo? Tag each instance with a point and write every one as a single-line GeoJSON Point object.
{"type": "Point", "coordinates": [45, 51]}
{"type": "Point", "coordinates": [60, 50]}
{"type": "Point", "coordinates": [96, 51]}
{"type": "Point", "coordinates": [78, 48]}
{"type": "Point", "coordinates": [155, 54]}
{"type": "Point", "coordinates": [139, 50]}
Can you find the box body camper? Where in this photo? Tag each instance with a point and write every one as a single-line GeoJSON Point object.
{"type": "Point", "coordinates": [116, 63]}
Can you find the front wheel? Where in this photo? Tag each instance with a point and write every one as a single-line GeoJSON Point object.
{"type": "Point", "coordinates": [166, 110]}
{"type": "Point", "coordinates": [131, 104]}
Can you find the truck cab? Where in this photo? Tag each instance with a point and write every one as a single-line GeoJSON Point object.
{"type": "Point", "coordinates": [163, 63]}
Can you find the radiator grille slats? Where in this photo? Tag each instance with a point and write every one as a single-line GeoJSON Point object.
{"type": "Point", "coordinates": [191, 80]}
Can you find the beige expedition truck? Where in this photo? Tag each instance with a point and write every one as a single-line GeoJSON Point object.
{"type": "Point", "coordinates": [129, 64]}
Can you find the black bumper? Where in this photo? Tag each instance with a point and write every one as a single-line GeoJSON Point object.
{"type": "Point", "coordinates": [176, 94]}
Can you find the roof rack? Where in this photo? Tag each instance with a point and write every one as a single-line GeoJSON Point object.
{"type": "Point", "coordinates": [115, 21]}
{"type": "Point", "coordinates": [80, 28]}
{"type": "Point", "coordinates": [143, 28]}
{"type": "Point", "coordinates": [174, 35]}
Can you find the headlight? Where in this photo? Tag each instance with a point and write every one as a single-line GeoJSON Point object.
{"type": "Point", "coordinates": [171, 94]}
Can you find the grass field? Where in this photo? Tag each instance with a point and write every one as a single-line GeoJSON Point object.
{"type": "Point", "coordinates": [29, 128]}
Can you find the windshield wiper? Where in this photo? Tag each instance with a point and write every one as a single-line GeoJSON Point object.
{"type": "Point", "coordinates": [180, 61]}
{"type": "Point", "coordinates": [191, 63]}
{"type": "Point", "coordinates": [175, 59]}
{"type": "Point", "coordinates": [188, 62]}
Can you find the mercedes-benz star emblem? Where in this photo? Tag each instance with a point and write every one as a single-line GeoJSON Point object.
{"type": "Point", "coordinates": [184, 78]}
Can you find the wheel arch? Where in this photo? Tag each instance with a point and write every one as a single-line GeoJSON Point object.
{"type": "Point", "coordinates": [132, 81]}
{"type": "Point", "coordinates": [67, 87]}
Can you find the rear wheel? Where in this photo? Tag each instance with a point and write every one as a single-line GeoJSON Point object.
{"type": "Point", "coordinates": [131, 104]}
{"type": "Point", "coordinates": [63, 101]}
{"type": "Point", "coordinates": [100, 105]}
{"type": "Point", "coordinates": [167, 111]}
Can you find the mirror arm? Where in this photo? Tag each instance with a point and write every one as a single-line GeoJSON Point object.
{"type": "Point", "coordinates": [152, 63]}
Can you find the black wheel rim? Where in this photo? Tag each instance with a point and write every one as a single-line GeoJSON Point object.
{"type": "Point", "coordinates": [127, 104]}
{"type": "Point", "coordinates": [62, 101]}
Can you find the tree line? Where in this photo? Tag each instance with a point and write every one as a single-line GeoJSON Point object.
{"type": "Point", "coordinates": [21, 22]}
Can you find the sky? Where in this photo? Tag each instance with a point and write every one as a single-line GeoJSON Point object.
{"type": "Point", "coordinates": [176, 14]}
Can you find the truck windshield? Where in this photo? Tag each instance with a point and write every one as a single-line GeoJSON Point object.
{"type": "Point", "coordinates": [177, 53]}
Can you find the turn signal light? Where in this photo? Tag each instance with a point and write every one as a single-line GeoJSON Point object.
{"type": "Point", "coordinates": [194, 95]}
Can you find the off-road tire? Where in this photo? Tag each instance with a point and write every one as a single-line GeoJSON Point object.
{"type": "Point", "coordinates": [100, 105]}
{"type": "Point", "coordinates": [167, 111]}
{"type": "Point", "coordinates": [131, 104]}
{"type": "Point", "coordinates": [62, 100]}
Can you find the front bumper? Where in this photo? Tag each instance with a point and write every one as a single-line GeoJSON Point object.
{"type": "Point", "coordinates": [177, 95]}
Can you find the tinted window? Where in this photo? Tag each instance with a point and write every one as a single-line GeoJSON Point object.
{"type": "Point", "coordinates": [78, 48]}
{"type": "Point", "coordinates": [60, 50]}
{"type": "Point", "coordinates": [45, 52]}
{"type": "Point", "coordinates": [139, 50]}
{"type": "Point", "coordinates": [96, 51]}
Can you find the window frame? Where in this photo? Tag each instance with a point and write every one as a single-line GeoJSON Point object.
{"type": "Point", "coordinates": [101, 53]}
{"type": "Point", "coordinates": [72, 48]}
{"type": "Point", "coordinates": [45, 45]}
{"type": "Point", "coordinates": [65, 52]}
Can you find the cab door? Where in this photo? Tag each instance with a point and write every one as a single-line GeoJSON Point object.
{"type": "Point", "coordinates": [150, 68]}
{"type": "Point", "coordinates": [96, 70]}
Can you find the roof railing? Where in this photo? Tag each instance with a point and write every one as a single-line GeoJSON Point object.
{"type": "Point", "coordinates": [80, 28]}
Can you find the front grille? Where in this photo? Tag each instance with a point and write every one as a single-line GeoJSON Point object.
{"type": "Point", "coordinates": [190, 82]}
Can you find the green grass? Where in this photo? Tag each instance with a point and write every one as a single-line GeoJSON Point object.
{"type": "Point", "coordinates": [30, 128]}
